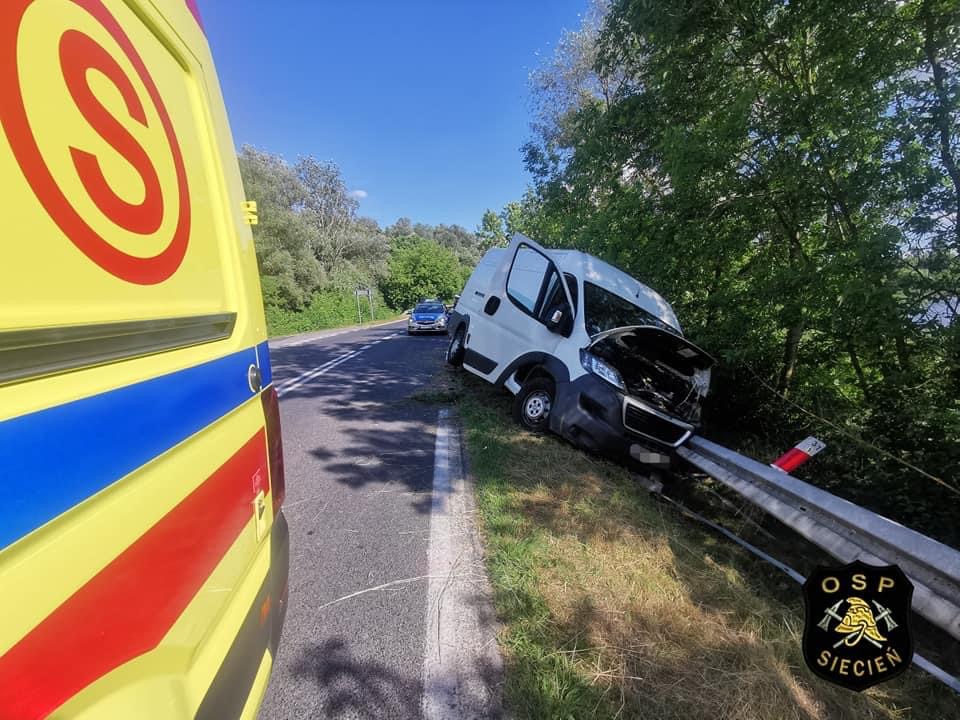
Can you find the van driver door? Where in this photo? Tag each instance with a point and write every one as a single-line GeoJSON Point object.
{"type": "Point", "coordinates": [530, 309]}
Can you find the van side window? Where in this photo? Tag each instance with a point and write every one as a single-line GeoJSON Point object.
{"type": "Point", "coordinates": [556, 298]}
{"type": "Point", "coordinates": [526, 277]}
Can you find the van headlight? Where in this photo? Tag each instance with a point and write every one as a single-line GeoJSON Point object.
{"type": "Point", "coordinates": [591, 363]}
{"type": "Point", "coordinates": [701, 382]}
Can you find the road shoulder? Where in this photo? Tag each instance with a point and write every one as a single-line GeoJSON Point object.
{"type": "Point", "coordinates": [463, 670]}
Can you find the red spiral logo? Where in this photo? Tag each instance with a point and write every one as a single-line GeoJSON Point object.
{"type": "Point", "coordinates": [79, 53]}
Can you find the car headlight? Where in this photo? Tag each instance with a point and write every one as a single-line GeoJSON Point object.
{"type": "Point", "coordinates": [591, 363]}
{"type": "Point", "coordinates": [441, 320]}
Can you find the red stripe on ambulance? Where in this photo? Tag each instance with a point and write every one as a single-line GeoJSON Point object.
{"type": "Point", "coordinates": [127, 608]}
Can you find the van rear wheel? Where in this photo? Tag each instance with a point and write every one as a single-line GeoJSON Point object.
{"type": "Point", "coordinates": [455, 349]}
{"type": "Point", "coordinates": [532, 405]}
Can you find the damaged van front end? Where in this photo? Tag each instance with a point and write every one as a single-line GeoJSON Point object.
{"type": "Point", "coordinates": [641, 395]}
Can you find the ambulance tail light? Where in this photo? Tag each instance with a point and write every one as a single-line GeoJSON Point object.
{"type": "Point", "coordinates": [271, 414]}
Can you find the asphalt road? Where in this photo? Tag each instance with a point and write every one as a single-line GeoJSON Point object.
{"type": "Point", "coordinates": [360, 473]}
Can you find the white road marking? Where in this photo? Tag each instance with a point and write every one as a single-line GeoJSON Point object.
{"type": "Point", "coordinates": [307, 341]}
{"type": "Point", "coordinates": [460, 653]}
{"type": "Point", "coordinates": [295, 382]}
{"type": "Point", "coordinates": [298, 381]}
{"type": "Point", "coordinates": [301, 343]}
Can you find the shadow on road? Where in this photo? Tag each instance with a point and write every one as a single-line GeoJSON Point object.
{"type": "Point", "coordinates": [353, 688]}
{"type": "Point", "coordinates": [360, 440]}
{"type": "Point", "coordinates": [391, 435]}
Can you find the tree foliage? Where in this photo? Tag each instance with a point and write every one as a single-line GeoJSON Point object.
{"type": "Point", "coordinates": [463, 243]}
{"type": "Point", "coordinates": [421, 268]}
{"type": "Point", "coordinates": [314, 250]}
{"type": "Point", "coordinates": [790, 182]}
{"type": "Point", "coordinates": [285, 239]}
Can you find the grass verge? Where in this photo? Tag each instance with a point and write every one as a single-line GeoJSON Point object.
{"type": "Point", "coordinates": [366, 324]}
{"type": "Point", "coordinates": [614, 606]}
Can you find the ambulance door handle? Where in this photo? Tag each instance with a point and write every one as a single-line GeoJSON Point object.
{"type": "Point", "coordinates": [254, 379]}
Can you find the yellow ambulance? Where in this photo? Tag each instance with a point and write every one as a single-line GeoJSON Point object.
{"type": "Point", "coordinates": [143, 551]}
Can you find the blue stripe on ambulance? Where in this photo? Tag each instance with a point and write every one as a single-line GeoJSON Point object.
{"type": "Point", "coordinates": [263, 356]}
{"type": "Point", "coordinates": [55, 458]}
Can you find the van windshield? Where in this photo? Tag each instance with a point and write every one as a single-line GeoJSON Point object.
{"type": "Point", "coordinates": [605, 311]}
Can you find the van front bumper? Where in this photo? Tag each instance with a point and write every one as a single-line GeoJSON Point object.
{"type": "Point", "coordinates": [590, 414]}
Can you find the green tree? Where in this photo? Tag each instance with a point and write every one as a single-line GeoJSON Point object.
{"type": "Point", "coordinates": [284, 239]}
{"type": "Point", "coordinates": [309, 237]}
{"type": "Point", "coordinates": [789, 182]}
{"type": "Point", "coordinates": [491, 231]}
{"type": "Point", "coordinates": [465, 245]}
{"type": "Point", "coordinates": [420, 268]}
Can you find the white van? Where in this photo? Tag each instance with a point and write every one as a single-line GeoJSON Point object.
{"type": "Point", "coordinates": [588, 352]}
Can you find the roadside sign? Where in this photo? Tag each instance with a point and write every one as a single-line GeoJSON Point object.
{"type": "Point", "coordinates": [368, 294]}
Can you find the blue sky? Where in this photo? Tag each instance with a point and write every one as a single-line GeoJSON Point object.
{"type": "Point", "coordinates": [423, 103]}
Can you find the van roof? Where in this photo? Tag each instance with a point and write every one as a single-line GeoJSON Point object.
{"type": "Point", "coordinates": [592, 269]}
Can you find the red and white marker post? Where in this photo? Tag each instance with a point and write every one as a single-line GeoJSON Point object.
{"type": "Point", "coordinates": [798, 454]}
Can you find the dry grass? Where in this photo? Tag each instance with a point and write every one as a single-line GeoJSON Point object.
{"type": "Point", "coordinates": [614, 606]}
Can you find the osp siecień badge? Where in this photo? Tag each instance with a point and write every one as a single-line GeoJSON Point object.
{"type": "Point", "coordinates": [857, 630]}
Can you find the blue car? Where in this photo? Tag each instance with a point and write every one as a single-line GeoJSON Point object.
{"type": "Point", "coordinates": [428, 317]}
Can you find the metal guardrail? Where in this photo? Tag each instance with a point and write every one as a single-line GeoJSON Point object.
{"type": "Point", "coordinates": [847, 531]}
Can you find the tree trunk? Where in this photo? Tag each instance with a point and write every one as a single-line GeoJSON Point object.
{"type": "Point", "coordinates": [857, 368]}
{"type": "Point", "coordinates": [714, 286]}
{"type": "Point", "coordinates": [903, 354]}
{"type": "Point", "coordinates": [790, 356]}
{"type": "Point", "coordinates": [941, 114]}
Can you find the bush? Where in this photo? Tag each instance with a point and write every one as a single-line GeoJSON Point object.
{"type": "Point", "coordinates": [420, 268]}
{"type": "Point", "coordinates": [327, 309]}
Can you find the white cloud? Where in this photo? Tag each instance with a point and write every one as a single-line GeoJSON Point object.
{"type": "Point", "coordinates": [358, 194]}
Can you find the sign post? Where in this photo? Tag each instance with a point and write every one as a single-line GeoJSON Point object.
{"type": "Point", "coordinates": [798, 455]}
{"type": "Point", "coordinates": [364, 291]}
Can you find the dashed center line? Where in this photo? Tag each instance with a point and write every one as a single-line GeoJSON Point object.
{"type": "Point", "coordinates": [293, 383]}
{"type": "Point", "coordinates": [307, 341]}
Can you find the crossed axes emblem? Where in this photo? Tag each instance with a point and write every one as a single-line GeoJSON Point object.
{"type": "Point", "coordinates": [861, 629]}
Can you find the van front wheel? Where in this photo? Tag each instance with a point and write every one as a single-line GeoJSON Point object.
{"type": "Point", "coordinates": [532, 405]}
{"type": "Point", "coordinates": [455, 349]}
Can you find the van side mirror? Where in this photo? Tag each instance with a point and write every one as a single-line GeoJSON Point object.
{"type": "Point", "coordinates": [555, 321]}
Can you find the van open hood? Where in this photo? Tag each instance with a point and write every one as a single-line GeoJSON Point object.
{"type": "Point", "coordinates": [639, 337]}
{"type": "Point", "coordinates": [658, 366]}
